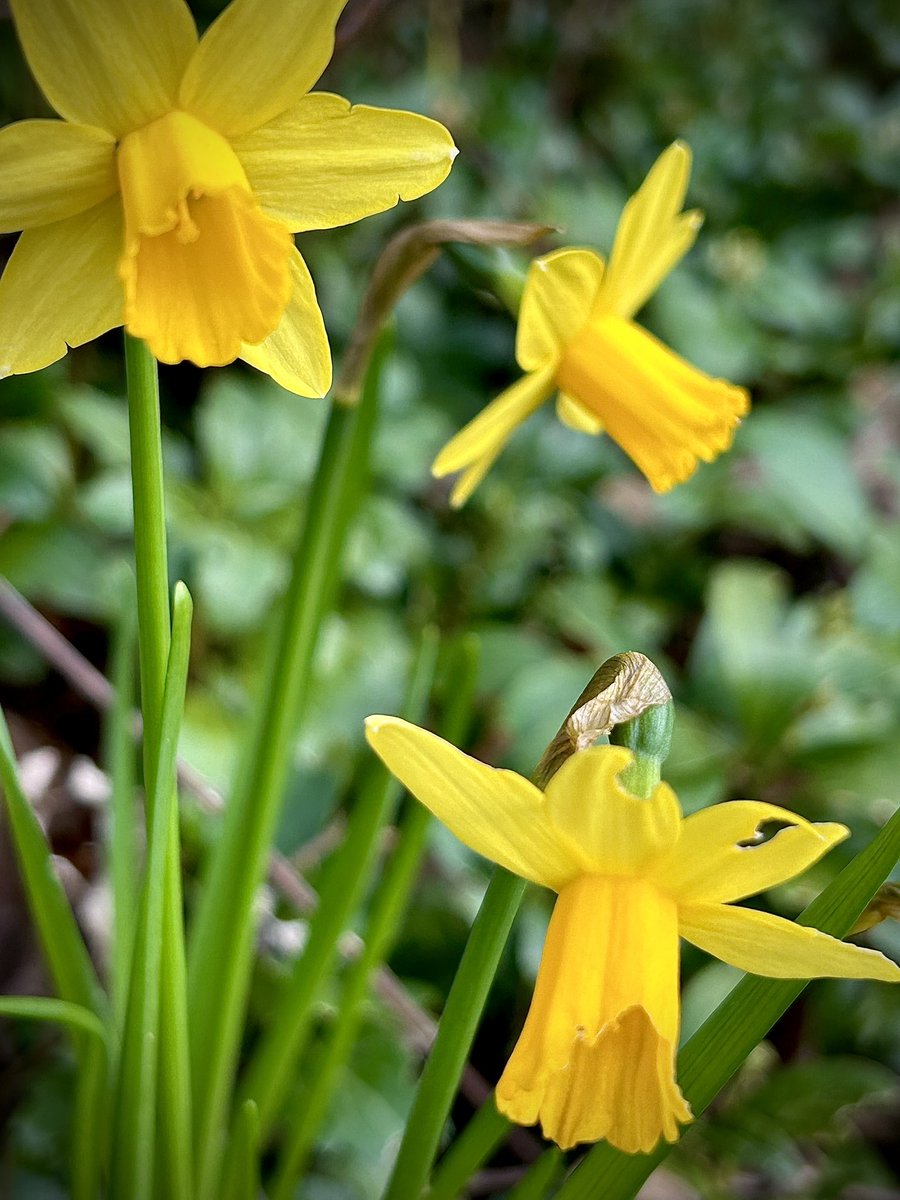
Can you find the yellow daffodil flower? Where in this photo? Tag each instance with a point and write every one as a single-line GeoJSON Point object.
{"type": "Point", "coordinates": [167, 196]}
{"type": "Point", "coordinates": [576, 336]}
{"type": "Point", "coordinates": [596, 1058]}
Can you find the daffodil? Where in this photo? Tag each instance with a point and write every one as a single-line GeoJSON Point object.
{"type": "Point", "coordinates": [596, 1058]}
{"type": "Point", "coordinates": [167, 196]}
{"type": "Point", "coordinates": [576, 336]}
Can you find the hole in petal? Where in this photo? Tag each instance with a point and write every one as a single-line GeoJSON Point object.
{"type": "Point", "coordinates": [765, 832]}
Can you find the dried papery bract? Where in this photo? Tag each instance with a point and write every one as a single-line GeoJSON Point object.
{"type": "Point", "coordinates": [620, 690]}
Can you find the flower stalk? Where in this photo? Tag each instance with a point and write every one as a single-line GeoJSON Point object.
{"type": "Point", "coordinates": [154, 643]}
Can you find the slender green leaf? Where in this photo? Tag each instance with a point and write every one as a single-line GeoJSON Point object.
{"type": "Point", "coordinates": [540, 1176]}
{"type": "Point", "coordinates": [271, 1071]}
{"type": "Point", "coordinates": [384, 922]}
{"type": "Point", "coordinates": [63, 1012]}
{"type": "Point", "coordinates": [89, 1155]}
{"type": "Point", "coordinates": [91, 1109]}
{"type": "Point", "coordinates": [74, 978]}
{"type": "Point", "coordinates": [387, 912]}
{"type": "Point", "coordinates": [242, 1180]}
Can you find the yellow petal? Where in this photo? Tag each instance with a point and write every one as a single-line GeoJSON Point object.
{"type": "Point", "coordinates": [560, 294]}
{"type": "Point", "coordinates": [576, 416]}
{"type": "Point", "coordinates": [665, 414]}
{"type": "Point", "coordinates": [771, 946]}
{"type": "Point", "coordinates": [487, 433]}
{"type": "Point", "coordinates": [257, 59]}
{"type": "Point", "coordinates": [596, 1058]}
{"type": "Point", "coordinates": [108, 63]}
{"type": "Point", "coordinates": [472, 477]}
{"type": "Point", "coordinates": [50, 170]}
{"type": "Point", "coordinates": [496, 813]}
{"type": "Point", "coordinates": [297, 354]}
{"type": "Point", "coordinates": [325, 163]}
{"type": "Point", "coordinates": [719, 857]}
{"type": "Point", "coordinates": [653, 234]}
{"type": "Point", "coordinates": [205, 270]}
{"type": "Point", "coordinates": [619, 834]}
{"type": "Point", "coordinates": [60, 288]}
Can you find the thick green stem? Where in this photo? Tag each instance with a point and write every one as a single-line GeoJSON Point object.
{"type": "Point", "coordinates": [154, 636]}
{"type": "Point", "coordinates": [456, 1032]}
{"type": "Point", "coordinates": [150, 556]}
{"type": "Point", "coordinates": [221, 949]}
{"type": "Point", "coordinates": [471, 1150]}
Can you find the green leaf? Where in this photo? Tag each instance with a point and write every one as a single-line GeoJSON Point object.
{"type": "Point", "coordinates": [70, 965]}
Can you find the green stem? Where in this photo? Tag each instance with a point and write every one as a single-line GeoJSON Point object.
{"type": "Point", "coordinates": [456, 1032]}
{"type": "Point", "coordinates": [221, 948]}
{"type": "Point", "coordinates": [471, 1150]}
{"type": "Point", "coordinates": [741, 1021]}
{"type": "Point", "coordinates": [151, 561]}
{"type": "Point", "coordinates": [154, 636]}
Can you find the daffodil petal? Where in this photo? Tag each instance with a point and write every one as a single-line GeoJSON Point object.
{"type": "Point", "coordinates": [596, 1058]}
{"type": "Point", "coordinates": [496, 813]}
{"type": "Point", "coordinates": [257, 59]}
{"type": "Point", "coordinates": [489, 431]}
{"type": "Point", "coordinates": [50, 170]}
{"type": "Point", "coordinates": [469, 480]}
{"type": "Point", "coordinates": [60, 288]}
{"type": "Point", "coordinates": [576, 416]}
{"type": "Point", "coordinates": [618, 833]}
{"type": "Point", "coordinates": [560, 293]}
{"type": "Point", "coordinates": [653, 234]}
{"type": "Point", "coordinates": [325, 162]}
{"type": "Point", "coordinates": [766, 945]}
{"type": "Point", "coordinates": [665, 414]}
{"type": "Point", "coordinates": [114, 65]}
{"type": "Point", "coordinates": [297, 354]}
{"type": "Point", "coordinates": [719, 857]}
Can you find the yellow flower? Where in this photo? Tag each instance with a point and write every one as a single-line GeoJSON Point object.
{"type": "Point", "coordinates": [596, 1058]}
{"type": "Point", "coordinates": [576, 335]}
{"type": "Point", "coordinates": [166, 198]}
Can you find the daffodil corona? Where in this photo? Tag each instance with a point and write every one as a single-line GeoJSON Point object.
{"type": "Point", "coordinates": [167, 197]}
{"type": "Point", "coordinates": [576, 337]}
{"type": "Point", "coordinates": [596, 1058]}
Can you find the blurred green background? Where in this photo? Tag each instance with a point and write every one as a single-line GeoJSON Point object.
{"type": "Point", "coordinates": [767, 588]}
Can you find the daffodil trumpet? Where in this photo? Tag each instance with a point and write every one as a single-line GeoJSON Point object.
{"type": "Point", "coordinates": [577, 337]}
{"type": "Point", "coordinates": [596, 1057]}
{"type": "Point", "coordinates": [167, 197]}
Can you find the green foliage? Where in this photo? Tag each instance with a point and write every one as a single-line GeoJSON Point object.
{"type": "Point", "coordinates": [765, 588]}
